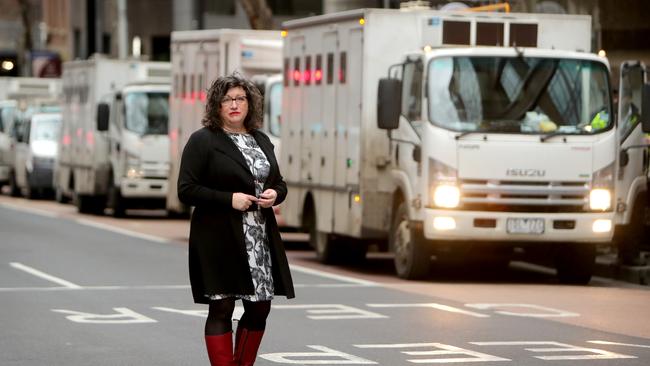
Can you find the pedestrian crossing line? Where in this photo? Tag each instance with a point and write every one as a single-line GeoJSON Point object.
{"type": "Point", "coordinates": [45, 276]}
{"type": "Point", "coordinates": [156, 287]}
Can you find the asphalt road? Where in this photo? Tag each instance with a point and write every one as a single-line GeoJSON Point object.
{"type": "Point", "coordinates": [83, 290]}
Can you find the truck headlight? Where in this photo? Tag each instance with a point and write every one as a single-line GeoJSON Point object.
{"type": "Point", "coordinates": [600, 199]}
{"type": "Point", "coordinates": [442, 180]}
{"type": "Point", "coordinates": [447, 196]}
{"type": "Point", "coordinates": [133, 167]}
{"type": "Point", "coordinates": [602, 183]}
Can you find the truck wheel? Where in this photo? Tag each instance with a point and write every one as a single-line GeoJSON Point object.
{"type": "Point", "coordinates": [575, 263]}
{"type": "Point", "coordinates": [14, 190]}
{"type": "Point", "coordinates": [412, 256]}
{"type": "Point", "coordinates": [89, 204]}
{"type": "Point", "coordinates": [116, 202]}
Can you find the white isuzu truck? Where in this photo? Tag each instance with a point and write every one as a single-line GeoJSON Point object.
{"type": "Point", "coordinates": [435, 133]}
{"type": "Point", "coordinates": [114, 138]}
{"type": "Point", "coordinates": [200, 57]}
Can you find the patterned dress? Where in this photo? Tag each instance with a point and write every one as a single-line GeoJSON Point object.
{"type": "Point", "coordinates": [257, 248]}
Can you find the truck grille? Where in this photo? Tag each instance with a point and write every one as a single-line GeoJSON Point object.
{"type": "Point", "coordinates": [515, 196]}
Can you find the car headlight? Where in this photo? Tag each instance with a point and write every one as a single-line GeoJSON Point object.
{"type": "Point", "coordinates": [133, 167]}
{"type": "Point", "coordinates": [600, 196]}
{"type": "Point", "coordinates": [442, 180]}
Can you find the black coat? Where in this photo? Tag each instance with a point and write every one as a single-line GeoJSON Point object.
{"type": "Point", "coordinates": [212, 169]}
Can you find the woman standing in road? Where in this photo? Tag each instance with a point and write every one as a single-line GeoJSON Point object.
{"type": "Point", "coordinates": [230, 175]}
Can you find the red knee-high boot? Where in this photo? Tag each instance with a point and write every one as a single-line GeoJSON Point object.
{"type": "Point", "coordinates": [220, 349]}
{"type": "Point", "coordinates": [247, 342]}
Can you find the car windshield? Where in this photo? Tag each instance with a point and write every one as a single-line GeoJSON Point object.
{"type": "Point", "coordinates": [275, 106]}
{"type": "Point", "coordinates": [519, 95]}
{"type": "Point", "coordinates": [147, 113]}
{"type": "Point", "coordinates": [46, 128]}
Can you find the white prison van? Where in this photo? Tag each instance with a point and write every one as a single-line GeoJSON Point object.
{"type": "Point", "coordinates": [198, 58]}
{"type": "Point", "coordinates": [449, 133]}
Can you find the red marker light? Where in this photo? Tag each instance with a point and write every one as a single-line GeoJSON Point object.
{"type": "Point", "coordinates": [67, 140]}
{"type": "Point", "coordinates": [90, 138]}
{"type": "Point", "coordinates": [307, 76]}
{"type": "Point", "coordinates": [318, 75]}
{"type": "Point", "coordinates": [296, 75]}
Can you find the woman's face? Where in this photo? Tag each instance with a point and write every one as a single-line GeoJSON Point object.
{"type": "Point", "coordinates": [234, 107]}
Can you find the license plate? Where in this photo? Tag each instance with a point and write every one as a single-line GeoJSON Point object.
{"type": "Point", "coordinates": [525, 226]}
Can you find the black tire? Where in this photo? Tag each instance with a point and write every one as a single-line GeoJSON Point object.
{"type": "Point", "coordinates": [412, 255]}
{"type": "Point", "coordinates": [324, 244]}
{"type": "Point", "coordinates": [116, 202]}
{"type": "Point", "coordinates": [575, 263]}
{"type": "Point", "coordinates": [89, 204]}
{"type": "Point", "coordinates": [14, 190]}
{"type": "Point", "coordinates": [631, 239]}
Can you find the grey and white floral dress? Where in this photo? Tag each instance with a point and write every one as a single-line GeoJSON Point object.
{"type": "Point", "coordinates": [257, 248]}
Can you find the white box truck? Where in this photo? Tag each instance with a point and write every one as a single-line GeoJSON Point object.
{"type": "Point", "coordinates": [198, 58]}
{"type": "Point", "coordinates": [436, 133]}
{"type": "Point", "coordinates": [114, 139]}
{"type": "Point", "coordinates": [15, 93]}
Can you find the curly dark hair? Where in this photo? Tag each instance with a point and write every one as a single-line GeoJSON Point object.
{"type": "Point", "coordinates": [219, 88]}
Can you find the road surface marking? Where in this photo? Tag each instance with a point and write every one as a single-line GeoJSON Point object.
{"type": "Point", "coordinates": [442, 350]}
{"type": "Point", "coordinates": [123, 316]}
{"type": "Point", "coordinates": [341, 358]}
{"type": "Point", "coordinates": [343, 278]}
{"type": "Point", "coordinates": [431, 305]}
{"type": "Point", "coordinates": [45, 276]}
{"type": "Point", "coordinates": [333, 311]}
{"type": "Point", "coordinates": [127, 232]}
{"type": "Point", "coordinates": [596, 354]}
{"type": "Point", "coordinates": [620, 344]}
{"type": "Point", "coordinates": [31, 210]}
{"type": "Point", "coordinates": [237, 313]}
{"type": "Point", "coordinates": [545, 312]}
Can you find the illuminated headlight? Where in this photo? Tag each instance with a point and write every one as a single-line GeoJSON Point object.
{"type": "Point", "coordinates": [443, 223]}
{"type": "Point", "coordinates": [442, 180]}
{"type": "Point", "coordinates": [133, 173]}
{"type": "Point", "coordinates": [602, 226]}
{"type": "Point", "coordinates": [600, 199]}
{"type": "Point", "coordinates": [446, 196]}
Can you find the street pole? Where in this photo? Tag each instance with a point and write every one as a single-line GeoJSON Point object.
{"type": "Point", "coordinates": [122, 30]}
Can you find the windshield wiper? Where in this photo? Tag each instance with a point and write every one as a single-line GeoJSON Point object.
{"type": "Point", "coordinates": [558, 133]}
{"type": "Point", "coordinates": [465, 133]}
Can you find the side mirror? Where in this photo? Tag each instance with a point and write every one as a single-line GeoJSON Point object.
{"type": "Point", "coordinates": [389, 101]}
{"type": "Point", "coordinates": [102, 116]}
{"type": "Point", "coordinates": [645, 108]}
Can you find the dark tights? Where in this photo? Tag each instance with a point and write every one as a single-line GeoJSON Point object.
{"type": "Point", "coordinates": [220, 316]}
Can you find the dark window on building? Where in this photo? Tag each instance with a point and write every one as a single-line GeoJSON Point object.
{"type": "Point", "coordinates": [330, 68]}
{"type": "Point", "coordinates": [454, 32]}
{"type": "Point", "coordinates": [106, 43]}
{"type": "Point", "coordinates": [318, 73]}
{"type": "Point", "coordinates": [295, 7]}
{"type": "Point", "coordinates": [523, 35]}
{"type": "Point", "coordinates": [489, 34]}
{"type": "Point", "coordinates": [287, 71]}
{"type": "Point", "coordinates": [160, 48]}
{"type": "Point", "coordinates": [222, 7]}
{"type": "Point", "coordinates": [343, 68]}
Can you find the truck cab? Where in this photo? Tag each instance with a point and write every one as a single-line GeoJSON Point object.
{"type": "Point", "coordinates": [138, 141]}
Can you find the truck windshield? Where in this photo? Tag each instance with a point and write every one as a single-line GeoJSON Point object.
{"type": "Point", "coordinates": [275, 106]}
{"type": "Point", "coordinates": [147, 113]}
{"type": "Point", "coordinates": [519, 95]}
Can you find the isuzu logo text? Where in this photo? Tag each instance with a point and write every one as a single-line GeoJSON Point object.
{"type": "Point", "coordinates": [515, 172]}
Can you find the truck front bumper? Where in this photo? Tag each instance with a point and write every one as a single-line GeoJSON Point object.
{"type": "Point", "coordinates": [143, 188]}
{"type": "Point", "coordinates": [513, 226]}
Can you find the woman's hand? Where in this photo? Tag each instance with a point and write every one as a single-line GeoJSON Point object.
{"type": "Point", "coordinates": [242, 201]}
{"type": "Point", "coordinates": [267, 198]}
